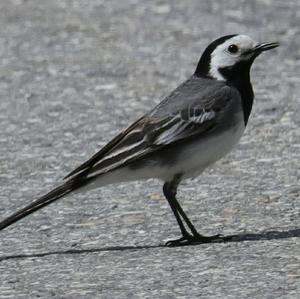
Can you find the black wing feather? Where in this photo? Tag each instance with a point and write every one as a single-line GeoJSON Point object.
{"type": "Point", "coordinates": [157, 130]}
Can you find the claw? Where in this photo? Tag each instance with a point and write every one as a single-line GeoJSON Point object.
{"type": "Point", "coordinates": [196, 239]}
{"type": "Point", "coordinates": [177, 242]}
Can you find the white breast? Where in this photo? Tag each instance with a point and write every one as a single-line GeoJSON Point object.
{"type": "Point", "coordinates": [195, 158]}
{"type": "Point", "coordinates": [192, 159]}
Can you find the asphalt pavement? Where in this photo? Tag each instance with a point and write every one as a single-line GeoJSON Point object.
{"type": "Point", "coordinates": [75, 73]}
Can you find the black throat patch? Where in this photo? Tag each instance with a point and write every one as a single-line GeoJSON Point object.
{"type": "Point", "coordinates": [239, 77]}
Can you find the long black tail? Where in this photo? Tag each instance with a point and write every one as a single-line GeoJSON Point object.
{"type": "Point", "coordinates": [43, 201]}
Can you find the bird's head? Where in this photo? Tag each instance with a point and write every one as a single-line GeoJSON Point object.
{"type": "Point", "coordinates": [230, 57]}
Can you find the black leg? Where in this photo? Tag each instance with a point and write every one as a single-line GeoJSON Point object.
{"type": "Point", "coordinates": [170, 190]}
{"type": "Point", "coordinates": [184, 216]}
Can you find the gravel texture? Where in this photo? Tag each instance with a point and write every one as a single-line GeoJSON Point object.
{"type": "Point", "coordinates": [72, 75]}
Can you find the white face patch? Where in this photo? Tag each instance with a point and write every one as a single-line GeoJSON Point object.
{"type": "Point", "coordinates": [221, 57]}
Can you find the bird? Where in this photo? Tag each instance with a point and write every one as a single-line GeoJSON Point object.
{"type": "Point", "coordinates": [188, 131]}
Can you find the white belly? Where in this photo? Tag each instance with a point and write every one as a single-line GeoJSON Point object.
{"type": "Point", "coordinates": [191, 160]}
{"type": "Point", "coordinates": [202, 154]}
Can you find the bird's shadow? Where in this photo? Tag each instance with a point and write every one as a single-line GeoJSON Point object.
{"type": "Point", "coordinates": [267, 235]}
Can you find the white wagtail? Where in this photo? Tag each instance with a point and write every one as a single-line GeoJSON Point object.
{"type": "Point", "coordinates": [197, 124]}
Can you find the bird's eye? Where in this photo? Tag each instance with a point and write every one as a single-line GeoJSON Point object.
{"type": "Point", "coordinates": [233, 49]}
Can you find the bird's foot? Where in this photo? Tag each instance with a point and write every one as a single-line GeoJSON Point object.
{"type": "Point", "coordinates": [188, 239]}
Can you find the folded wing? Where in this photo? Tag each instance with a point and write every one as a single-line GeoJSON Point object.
{"type": "Point", "coordinates": [155, 131]}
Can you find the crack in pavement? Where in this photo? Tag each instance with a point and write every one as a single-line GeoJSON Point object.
{"type": "Point", "coordinates": [267, 236]}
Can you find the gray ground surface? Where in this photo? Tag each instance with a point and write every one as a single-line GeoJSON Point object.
{"type": "Point", "coordinates": [72, 75]}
